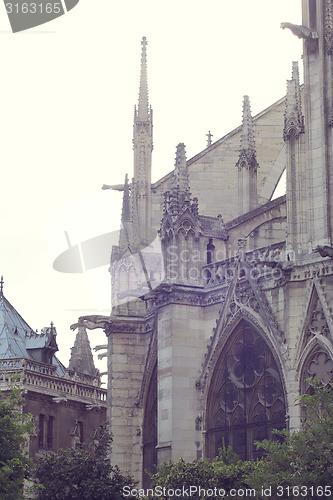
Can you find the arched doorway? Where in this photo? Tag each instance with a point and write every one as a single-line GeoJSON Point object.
{"type": "Point", "coordinates": [246, 397]}
{"type": "Point", "coordinates": [149, 437]}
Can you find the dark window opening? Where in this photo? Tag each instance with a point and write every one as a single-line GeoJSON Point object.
{"type": "Point", "coordinates": [50, 433]}
{"type": "Point", "coordinates": [41, 432]}
{"type": "Point", "coordinates": [210, 251]}
{"type": "Point", "coordinates": [80, 431]}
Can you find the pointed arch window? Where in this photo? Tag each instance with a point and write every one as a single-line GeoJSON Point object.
{"type": "Point", "coordinates": [246, 397]}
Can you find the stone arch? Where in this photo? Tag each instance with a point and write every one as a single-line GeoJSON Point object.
{"type": "Point", "coordinates": [246, 396]}
{"type": "Point", "coordinates": [149, 430]}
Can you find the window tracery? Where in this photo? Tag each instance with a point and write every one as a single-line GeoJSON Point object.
{"type": "Point", "coordinates": [246, 400]}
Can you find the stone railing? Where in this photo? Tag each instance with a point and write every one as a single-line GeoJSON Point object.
{"type": "Point", "coordinates": [262, 262]}
{"type": "Point", "coordinates": [44, 378]}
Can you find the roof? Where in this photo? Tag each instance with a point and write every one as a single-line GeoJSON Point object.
{"type": "Point", "coordinates": [18, 339]}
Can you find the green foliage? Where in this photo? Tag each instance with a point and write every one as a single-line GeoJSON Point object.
{"type": "Point", "coordinates": [303, 458]}
{"type": "Point", "coordinates": [81, 474]}
{"type": "Point", "coordinates": [220, 475]}
{"type": "Point", "coordinates": [295, 464]}
{"type": "Point", "coordinates": [15, 429]}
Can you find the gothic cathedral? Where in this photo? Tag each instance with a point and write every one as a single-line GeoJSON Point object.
{"type": "Point", "coordinates": [222, 293]}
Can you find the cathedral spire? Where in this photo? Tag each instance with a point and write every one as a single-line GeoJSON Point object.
{"type": "Point", "coordinates": [143, 146]}
{"type": "Point", "coordinates": [143, 107]}
{"type": "Point", "coordinates": [82, 360]}
{"type": "Point", "coordinates": [247, 163]}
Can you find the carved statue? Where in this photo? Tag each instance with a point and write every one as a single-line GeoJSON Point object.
{"type": "Point", "coordinates": [300, 31]}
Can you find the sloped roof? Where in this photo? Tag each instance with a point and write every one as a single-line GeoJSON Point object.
{"type": "Point", "coordinates": [14, 331]}
{"type": "Point", "coordinates": [17, 338]}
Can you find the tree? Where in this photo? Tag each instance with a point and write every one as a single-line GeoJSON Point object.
{"type": "Point", "coordinates": [200, 479]}
{"type": "Point", "coordinates": [81, 474]}
{"type": "Point", "coordinates": [15, 429]}
{"type": "Point", "coordinates": [295, 464]}
{"type": "Point", "coordinates": [302, 462]}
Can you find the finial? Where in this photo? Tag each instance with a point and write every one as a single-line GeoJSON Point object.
{"type": "Point", "coordinates": [1, 285]}
{"type": "Point", "coordinates": [209, 139]}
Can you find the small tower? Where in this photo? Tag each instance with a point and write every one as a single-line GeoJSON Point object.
{"type": "Point", "coordinates": [180, 227]}
{"type": "Point", "coordinates": [82, 360]}
{"type": "Point", "coordinates": [143, 147]}
{"type": "Point", "coordinates": [247, 164]}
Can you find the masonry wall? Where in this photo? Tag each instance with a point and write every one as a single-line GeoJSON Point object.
{"type": "Point", "coordinates": [126, 363]}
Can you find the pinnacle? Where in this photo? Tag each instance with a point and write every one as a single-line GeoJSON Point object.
{"type": "Point", "coordinates": [180, 178]}
{"type": "Point", "coordinates": [247, 138]}
{"type": "Point", "coordinates": [293, 112]}
{"type": "Point", "coordinates": [81, 356]}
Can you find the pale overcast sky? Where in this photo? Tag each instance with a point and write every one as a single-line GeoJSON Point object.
{"type": "Point", "coordinates": [68, 90]}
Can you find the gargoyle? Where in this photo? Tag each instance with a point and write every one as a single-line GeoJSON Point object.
{"type": "Point", "coordinates": [92, 322]}
{"type": "Point", "coordinates": [99, 347]}
{"type": "Point", "coordinates": [324, 251]}
{"type": "Point", "coordinates": [300, 31]}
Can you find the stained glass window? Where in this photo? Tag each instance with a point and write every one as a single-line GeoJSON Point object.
{"type": "Point", "coordinates": [246, 398]}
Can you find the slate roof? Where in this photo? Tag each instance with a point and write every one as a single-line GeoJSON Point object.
{"type": "Point", "coordinates": [18, 339]}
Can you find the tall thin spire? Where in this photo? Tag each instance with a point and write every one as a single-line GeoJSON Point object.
{"type": "Point", "coordinates": [143, 107]}
{"type": "Point", "coordinates": [143, 147]}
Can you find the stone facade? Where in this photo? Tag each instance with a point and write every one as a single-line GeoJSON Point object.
{"type": "Point", "coordinates": [217, 323]}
